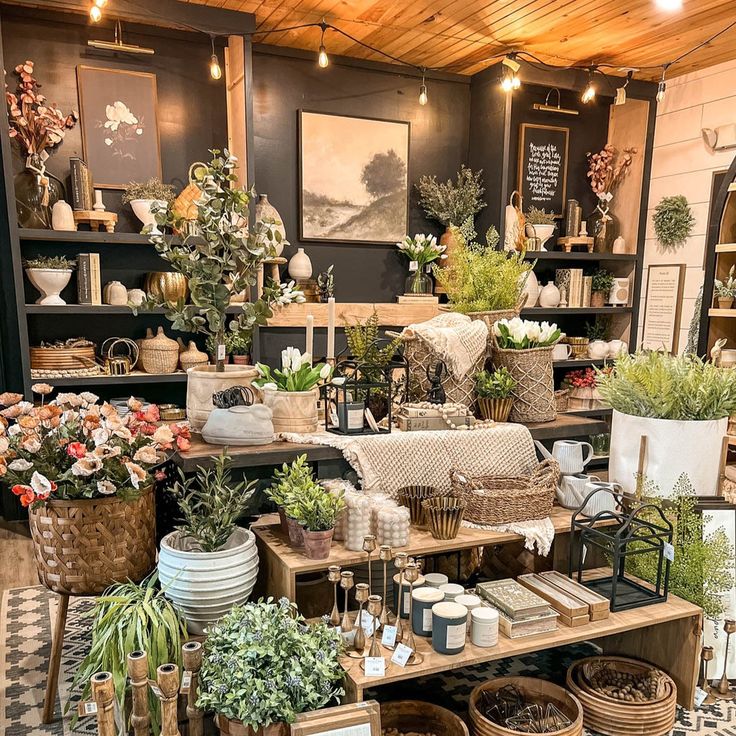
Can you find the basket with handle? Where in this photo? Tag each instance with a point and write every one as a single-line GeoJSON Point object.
{"type": "Point", "coordinates": [496, 500]}
{"type": "Point", "coordinates": [185, 205]}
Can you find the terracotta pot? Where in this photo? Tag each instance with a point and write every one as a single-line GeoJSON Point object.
{"type": "Point", "coordinates": [725, 302]}
{"type": "Point", "coordinates": [228, 727]}
{"type": "Point", "coordinates": [496, 409]}
{"type": "Point", "coordinates": [317, 544]}
{"type": "Point", "coordinates": [203, 381]}
{"type": "Point", "coordinates": [284, 522]}
{"type": "Point", "coordinates": [598, 299]}
{"type": "Point", "coordinates": [293, 411]}
{"type": "Point", "coordinates": [241, 359]}
{"type": "Point", "coordinates": [295, 531]}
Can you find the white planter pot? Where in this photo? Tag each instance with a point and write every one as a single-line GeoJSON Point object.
{"type": "Point", "coordinates": [543, 232]}
{"type": "Point", "coordinates": [50, 282]}
{"type": "Point", "coordinates": [531, 289]}
{"type": "Point", "coordinates": [293, 411]}
{"type": "Point", "coordinates": [204, 380]}
{"type": "Point", "coordinates": [142, 210]}
{"type": "Point", "coordinates": [673, 448]}
{"type": "Point", "coordinates": [204, 586]}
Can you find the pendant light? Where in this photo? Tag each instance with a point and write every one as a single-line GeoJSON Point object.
{"type": "Point", "coordinates": [322, 59]}
{"type": "Point", "coordinates": [589, 93]}
{"type": "Point", "coordinates": [423, 91]}
{"type": "Point", "coordinates": [510, 80]}
{"type": "Point", "coordinates": [662, 86]}
{"type": "Point", "coordinates": [215, 69]}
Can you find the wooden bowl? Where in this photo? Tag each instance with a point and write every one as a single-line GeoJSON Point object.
{"type": "Point", "coordinates": [413, 715]}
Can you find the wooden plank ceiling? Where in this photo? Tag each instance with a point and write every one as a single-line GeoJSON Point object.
{"type": "Point", "coordinates": [461, 35]}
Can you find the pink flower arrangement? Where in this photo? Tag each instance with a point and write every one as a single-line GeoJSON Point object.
{"type": "Point", "coordinates": [73, 447]}
{"type": "Point", "coordinates": [586, 378]}
{"type": "Point", "coordinates": [608, 167]}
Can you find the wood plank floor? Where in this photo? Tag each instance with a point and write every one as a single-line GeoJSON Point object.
{"type": "Point", "coordinates": [16, 552]}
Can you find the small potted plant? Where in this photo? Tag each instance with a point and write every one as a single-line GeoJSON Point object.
{"type": "Point", "coordinates": [316, 510]}
{"type": "Point", "coordinates": [603, 281]}
{"type": "Point", "coordinates": [287, 482]}
{"type": "Point", "coordinates": [263, 665]}
{"type": "Point", "coordinates": [493, 390]}
{"type": "Point", "coordinates": [50, 275]}
{"type": "Point", "coordinates": [726, 290]}
{"type": "Point", "coordinates": [540, 226]}
{"type": "Point", "coordinates": [421, 250]}
{"type": "Point", "coordinates": [209, 563]}
{"type": "Point", "coordinates": [240, 345]}
{"type": "Point", "coordinates": [583, 385]}
{"type": "Point", "coordinates": [291, 392]}
{"type": "Point", "coordinates": [141, 196]}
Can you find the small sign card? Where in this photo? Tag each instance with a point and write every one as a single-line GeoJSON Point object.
{"type": "Point", "coordinates": [669, 552]}
{"type": "Point", "coordinates": [389, 636]}
{"type": "Point", "coordinates": [375, 666]}
{"type": "Point", "coordinates": [348, 637]}
{"type": "Point", "coordinates": [87, 708]}
{"type": "Point", "coordinates": [401, 655]}
{"type": "Point", "coordinates": [366, 621]}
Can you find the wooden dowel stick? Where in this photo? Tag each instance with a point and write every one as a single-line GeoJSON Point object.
{"type": "Point", "coordinates": [191, 653]}
{"type": "Point", "coordinates": [103, 692]}
{"type": "Point", "coordinates": [167, 678]}
{"type": "Point", "coordinates": [641, 469]}
{"type": "Point", "coordinates": [140, 718]}
{"type": "Point", "coordinates": [722, 466]}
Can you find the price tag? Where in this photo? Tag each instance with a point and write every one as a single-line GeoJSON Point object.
{"type": "Point", "coordinates": [669, 552]}
{"type": "Point", "coordinates": [375, 666]}
{"type": "Point", "coordinates": [87, 708]}
{"type": "Point", "coordinates": [348, 637]}
{"type": "Point", "coordinates": [389, 636]}
{"type": "Point", "coordinates": [155, 689]}
{"type": "Point", "coordinates": [186, 682]}
{"type": "Point", "coordinates": [221, 352]}
{"type": "Point", "coordinates": [413, 265]}
{"type": "Point", "coordinates": [366, 621]}
{"type": "Point", "coordinates": [700, 696]}
{"type": "Point", "coordinates": [401, 655]}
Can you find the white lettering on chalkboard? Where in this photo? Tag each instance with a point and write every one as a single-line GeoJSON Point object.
{"type": "Point", "coordinates": [543, 171]}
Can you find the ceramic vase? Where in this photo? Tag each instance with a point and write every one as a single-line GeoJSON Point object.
{"type": "Point", "coordinates": [598, 299]}
{"type": "Point", "coordinates": [531, 289]}
{"type": "Point", "coordinates": [266, 211]}
{"type": "Point", "coordinates": [317, 544]}
{"type": "Point", "coordinates": [549, 296]}
{"type": "Point", "coordinates": [36, 192]}
{"type": "Point", "coordinates": [168, 286]}
{"type": "Point", "coordinates": [142, 210]}
{"type": "Point", "coordinates": [62, 216]}
{"type": "Point", "coordinates": [115, 294]}
{"type": "Point", "coordinates": [725, 302]}
{"type": "Point", "coordinates": [598, 349]}
{"type": "Point", "coordinates": [50, 282]}
{"type": "Point", "coordinates": [300, 266]}
{"type": "Point", "coordinates": [542, 233]}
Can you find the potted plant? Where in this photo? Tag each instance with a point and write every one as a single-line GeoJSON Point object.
{"type": "Point", "coordinates": [287, 482]}
{"type": "Point", "coordinates": [540, 227]}
{"type": "Point", "coordinates": [128, 618]}
{"type": "Point", "coordinates": [50, 275]}
{"type": "Point", "coordinates": [453, 205]}
{"type": "Point", "coordinates": [673, 221]}
{"type": "Point", "coordinates": [221, 261]}
{"type": "Point", "coordinates": [316, 510]}
{"type": "Point", "coordinates": [583, 389]}
{"type": "Point", "coordinates": [142, 196]}
{"type": "Point", "coordinates": [494, 390]}
{"type": "Point", "coordinates": [38, 127]}
{"type": "Point", "coordinates": [74, 459]}
{"type": "Point", "coordinates": [421, 250]}
{"type": "Point", "coordinates": [603, 281]}
{"type": "Point", "coordinates": [681, 404]}
{"type": "Point", "coordinates": [263, 665]}
{"type": "Point", "coordinates": [209, 564]}
{"type": "Point", "coordinates": [240, 346]}
{"type": "Point", "coordinates": [291, 392]}
{"type": "Point", "coordinates": [524, 348]}
{"type": "Point", "coordinates": [726, 290]}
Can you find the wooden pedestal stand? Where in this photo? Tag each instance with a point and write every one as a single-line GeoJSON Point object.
{"type": "Point", "coordinates": [568, 243]}
{"type": "Point", "coordinates": [108, 220]}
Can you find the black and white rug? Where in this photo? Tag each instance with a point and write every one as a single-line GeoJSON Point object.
{"type": "Point", "coordinates": [26, 622]}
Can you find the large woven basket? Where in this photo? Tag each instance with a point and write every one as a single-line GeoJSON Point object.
{"type": "Point", "coordinates": [534, 393]}
{"type": "Point", "coordinates": [83, 546]}
{"type": "Point", "coordinates": [493, 500]}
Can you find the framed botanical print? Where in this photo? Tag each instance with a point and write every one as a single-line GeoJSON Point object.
{"type": "Point", "coordinates": [353, 178]}
{"type": "Point", "coordinates": [118, 111]}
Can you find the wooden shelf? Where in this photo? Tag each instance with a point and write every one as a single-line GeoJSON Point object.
{"type": "Point", "coordinates": [389, 315]}
{"type": "Point", "coordinates": [82, 237]}
{"type": "Point", "coordinates": [105, 380]}
{"type": "Point", "coordinates": [726, 248]}
{"type": "Point", "coordinates": [715, 312]}
{"type": "Point", "coordinates": [600, 412]}
{"type": "Point", "coordinates": [98, 309]}
{"type": "Point", "coordinates": [578, 363]}
{"type": "Point", "coordinates": [571, 311]}
{"type": "Point", "coordinates": [560, 255]}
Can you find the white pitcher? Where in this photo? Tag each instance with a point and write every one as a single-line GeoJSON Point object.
{"type": "Point", "coordinates": [572, 489]}
{"type": "Point", "coordinates": [604, 500]}
{"type": "Point", "coordinates": [571, 456]}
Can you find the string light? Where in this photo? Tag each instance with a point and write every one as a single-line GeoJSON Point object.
{"type": "Point", "coordinates": [423, 91]}
{"type": "Point", "coordinates": [323, 60]}
{"type": "Point", "coordinates": [215, 69]}
{"type": "Point", "coordinates": [95, 14]}
{"type": "Point", "coordinates": [670, 5]}
{"type": "Point", "coordinates": [589, 93]}
{"type": "Point", "coordinates": [510, 80]}
{"type": "Point", "coordinates": [662, 86]}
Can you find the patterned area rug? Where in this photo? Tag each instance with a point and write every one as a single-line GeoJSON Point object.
{"type": "Point", "coordinates": [26, 621]}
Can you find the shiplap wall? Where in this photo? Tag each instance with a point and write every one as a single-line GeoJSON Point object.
{"type": "Point", "coordinates": [683, 164]}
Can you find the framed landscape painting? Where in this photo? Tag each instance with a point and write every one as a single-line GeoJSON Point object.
{"type": "Point", "coordinates": [353, 179]}
{"type": "Point", "coordinates": [119, 125]}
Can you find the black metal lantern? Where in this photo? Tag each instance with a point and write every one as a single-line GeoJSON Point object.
{"type": "Point", "coordinates": [361, 395]}
{"type": "Point", "coordinates": [632, 529]}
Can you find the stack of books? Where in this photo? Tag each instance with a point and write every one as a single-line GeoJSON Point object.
{"type": "Point", "coordinates": [520, 612]}
{"type": "Point", "coordinates": [577, 286]}
{"type": "Point", "coordinates": [89, 279]}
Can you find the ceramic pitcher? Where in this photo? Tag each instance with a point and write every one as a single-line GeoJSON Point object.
{"type": "Point", "coordinates": [569, 454]}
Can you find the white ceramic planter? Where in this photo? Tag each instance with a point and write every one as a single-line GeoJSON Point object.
{"type": "Point", "coordinates": [204, 380]}
{"type": "Point", "coordinates": [204, 586]}
{"type": "Point", "coordinates": [543, 232]}
{"type": "Point", "coordinates": [50, 282]}
{"type": "Point", "coordinates": [142, 210]}
{"type": "Point", "coordinates": [293, 411]}
{"type": "Point", "coordinates": [673, 448]}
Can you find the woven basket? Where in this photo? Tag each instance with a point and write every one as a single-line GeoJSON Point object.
{"type": "Point", "coordinates": [63, 359]}
{"type": "Point", "coordinates": [492, 500]}
{"type": "Point", "coordinates": [83, 546]}
{"type": "Point", "coordinates": [159, 354]}
{"type": "Point", "coordinates": [562, 399]}
{"type": "Point", "coordinates": [534, 393]}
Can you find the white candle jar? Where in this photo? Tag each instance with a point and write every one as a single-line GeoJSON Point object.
{"type": "Point", "coordinates": [484, 627]}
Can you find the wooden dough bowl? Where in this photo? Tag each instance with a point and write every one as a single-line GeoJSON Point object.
{"type": "Point", "coordinates": [413, 715]}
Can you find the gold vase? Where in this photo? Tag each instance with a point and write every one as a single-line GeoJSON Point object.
{"type": "Point", "coordinates": [168, 286]}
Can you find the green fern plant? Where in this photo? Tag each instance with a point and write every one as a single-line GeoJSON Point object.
{"type": "Point", "coordinates": [367, 347]}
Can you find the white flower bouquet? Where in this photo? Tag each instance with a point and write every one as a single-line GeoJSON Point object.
{"type": "Point", "coordinates": [522, 334]}
{"type": "Point", "coordinates": [296, 373]}
{"type": "Point", "coordinates": [423, 249]}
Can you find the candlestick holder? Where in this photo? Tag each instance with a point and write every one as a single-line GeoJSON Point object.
{"type": "Point", "coordinates": [333, 575]}
{"type": "Point", "coordinates": [369, 545]}
{"type": "Point", "coordinates": [385, 554]}
{"type": "Point", "coordinates": [707, 655]}
{"type": "Point", "coordinates": [411, 573]}
{"type": "Point", "coordinates": [347, 580]}
{"type": "Point", "coordinates": [723, 688]}
{"type": "Point", "coordinates": [401, 561]}
{"type": "Point", "coordinates": [362, 592]}
{"type": "Point", "coordinates": [375, 606]}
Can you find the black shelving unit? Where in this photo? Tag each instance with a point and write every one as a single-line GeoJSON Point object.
{"type": "Point", "coordinates": [573, 311]}
{"type": "Point", "coordinates": [559, 255]}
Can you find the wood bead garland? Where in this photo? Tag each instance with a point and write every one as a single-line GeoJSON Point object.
{"type": "Point", "coordinates": [447, 409]}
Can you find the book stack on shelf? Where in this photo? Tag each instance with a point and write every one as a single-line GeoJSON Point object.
{"type": "Point", "coordinates": [577, 286]}
{"type": "Point", "coordinates": [520, 612]}
{"type": "Point", "coordinates": [89, 279]}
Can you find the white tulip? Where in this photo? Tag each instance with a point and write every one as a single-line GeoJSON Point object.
{"type": "Point", "coordinates": [286, 359]}
{"type": "Point", "coordinates": [325, 371]}
{"type": "Point", "coordinates": [306, 359]}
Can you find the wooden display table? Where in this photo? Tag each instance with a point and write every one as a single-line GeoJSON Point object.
{"type": "Point", "coordinates": [665, 634]}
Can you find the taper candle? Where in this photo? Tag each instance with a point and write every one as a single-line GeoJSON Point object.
{"type": "Point", "coordinates": [331, 328]}
{"type": "Point", "coordinates": [310, 336]}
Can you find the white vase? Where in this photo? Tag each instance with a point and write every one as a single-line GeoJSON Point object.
{"type": "Point", "coordinates": [115, 293]}
{"type": "Point", "coordinates": [50, 282]}
{"type": "Point", "coordinates": [617, 348]}
{"type": "Point", "coordinates": [300, 266]}
{"type": "Point", "coordinates": [142, 210]}
{"type": "Point", "coordinates": [204, 380]}
{"type": "Point", "coordinates": [293, 411]}
{"type": "Point", "coordinates": [62, 216]}
{"type": "Point", "coordinates": [549, 296]}
{"type": "Point", "coordinates": [542, 232]}
{"type": "Point", "coordinates": [598, 349]}
{"type": "Point", "coordinates": [204, 586]}
{"type": "Point", "coordinates": [266, 211]}
{"type": "Point", "coordinates": [531, 289]}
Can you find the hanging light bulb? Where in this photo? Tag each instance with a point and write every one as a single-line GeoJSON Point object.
{"type": "Point", "coordinates": [100, 3]}
{"type": "Point", "coordinates": [669, 4]}
{"type": "Point", "coordinates": [323, 60]}
{"type": "Point", "coordinates": [95, 13]}
{"type": "Point", "coordinates": [510, 80]}
{"type": "Point", "coordinates": [423, 98]}
{"type": "Point", "coordinates": [215, 69]}
{"type": "Point", "coordinates": [662, 86]}
{"type": "Point", "coordinates": [589, 93]}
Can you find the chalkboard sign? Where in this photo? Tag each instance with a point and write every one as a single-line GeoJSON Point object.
{"type": "Point", "coordinates": [543, 167]}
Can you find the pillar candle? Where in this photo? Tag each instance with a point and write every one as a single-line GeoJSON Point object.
{"type": "Point", "coordinates": [310, 336]}
{"type": "Point", "coordinates": [330, 328]}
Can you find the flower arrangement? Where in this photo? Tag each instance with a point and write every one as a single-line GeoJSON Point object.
{"type": "Point", "coordinates": [296, 374]}
{"type": "Point", "coordinates": [523, 334]}
{"type": "Point", "coordinates": [152, 189]}
{"type": "Point", "coordinates": [673, 221]}
{"type": "Point", "coordinates": [264, 664]}
{"type": "Point", "coordinates": [452, 203]}
{"type": "Point", "coordinates": [726, 289]}
{"type": "Point", "coordinates": [421, 249]}
{"type": "Point", "coordinates": [585, 378]}
{"type": "Point", "coordinates": [73, 447]}
{"type": "Point", "coordinates": [35, 123]}
{"type": "Point", "coordinates": [55, 263]}
{"type": "Point", "coordinates": [497, 384]}
{"type": "Point", "coordinates": [608, 168]}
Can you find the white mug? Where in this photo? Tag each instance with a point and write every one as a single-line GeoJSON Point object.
{"type": "Point", "coordinates": [571, 492]}
{"type": "Point", "coordinates": [569, 454]}
{"type": "Point", "coordinates": [561, 351]}
{"type": "Point", "coordinates": [603, 500]}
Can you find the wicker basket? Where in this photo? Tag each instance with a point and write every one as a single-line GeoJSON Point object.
{"type": "Point", "coordinates": [493, 500]}
{"type": "Point", "coordinates": [534, 393]}
{"type": "Point", "coordinates": [63, 359]}
{"type": "Point", "coordinates": [83, 546]}
{"type": "Point", "coordinates": [562, 399]}
{"type": "Point", "coordinates": [159, 354]}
